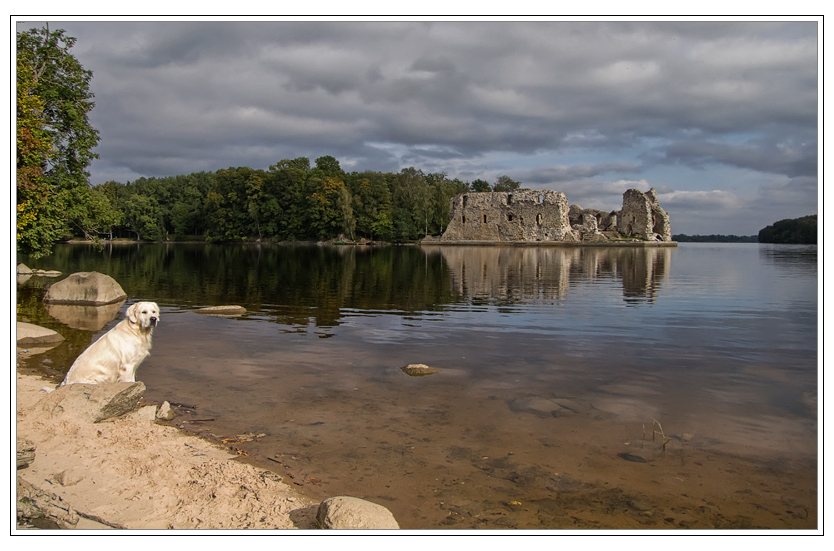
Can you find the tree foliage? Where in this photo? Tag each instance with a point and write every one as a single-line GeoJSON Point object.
{"type": "Point", "coordinates": [792, 230]}
{"type": "Point", "coordinates": [55, 143]}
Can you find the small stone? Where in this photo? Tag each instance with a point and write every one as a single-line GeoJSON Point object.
{"type": "Point", "coordinates": [419, 370]}
{"type": "Point", "coordinates": [165, 412]}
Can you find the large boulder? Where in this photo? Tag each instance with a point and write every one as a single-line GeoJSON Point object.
{"type": "Point", "coordinates": [85, 288]}
{"type": "Point", "coordinates": [93, 403]}
{"type": "Point", "coordinates": [352, 513]}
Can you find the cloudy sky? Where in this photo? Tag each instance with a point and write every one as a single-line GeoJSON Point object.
{"type": "Point", "coordinates": [720, 117]}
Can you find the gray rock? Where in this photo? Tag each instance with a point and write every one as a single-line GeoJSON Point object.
{"type": "Point", "coordinates": [352, 513]}
{"type": "Point", "coordinates": [93, 403]}
{"type": "Point", "coordinates": [85, 288]}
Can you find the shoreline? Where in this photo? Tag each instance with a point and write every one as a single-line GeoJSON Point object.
{"type": "Point", "coordinates": [132, 473]}
{"type": "Point", "coordinates": [422, 243]}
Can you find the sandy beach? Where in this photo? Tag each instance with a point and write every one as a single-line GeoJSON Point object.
{"type": "Point", "coordinates": [136, 474]}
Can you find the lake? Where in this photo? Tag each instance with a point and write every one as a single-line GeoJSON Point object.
{"type": "Point", "coordinates": [578, 387]}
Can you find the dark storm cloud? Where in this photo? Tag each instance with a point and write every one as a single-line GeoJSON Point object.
{"type": "Point", "coordinates": [596, 102]}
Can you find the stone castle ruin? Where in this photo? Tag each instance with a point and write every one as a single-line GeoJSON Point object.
{"type": "Point", "coordinates": [526, 215]}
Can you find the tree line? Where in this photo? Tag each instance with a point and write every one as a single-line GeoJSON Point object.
{"type": "Point", "coordinates": [791, 230]}
{"type": "Point", "coordinates": [292, 200]}
{"type": "Point", "coordinates": [714, 238]}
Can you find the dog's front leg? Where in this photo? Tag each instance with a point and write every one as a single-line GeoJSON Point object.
{"type": "Point", "coordinates": [127, 373]}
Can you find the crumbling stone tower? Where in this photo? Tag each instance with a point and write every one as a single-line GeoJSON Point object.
{"type": "Point", "coordinates": [642, 216]}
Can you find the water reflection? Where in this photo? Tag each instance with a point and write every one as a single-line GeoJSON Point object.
{"type": "Point", "coordinates": [87, 317]}
{"type": "Point", "coordinates": [510, 275]}
{"type": "Point", "coordinates": [300, 285]}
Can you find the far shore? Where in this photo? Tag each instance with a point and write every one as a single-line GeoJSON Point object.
{"type": "Point", "coordinates": [428, 242]}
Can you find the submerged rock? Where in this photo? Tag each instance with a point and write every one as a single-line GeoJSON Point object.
{"type": "Point", "coordinates": [227, 310]}
{"type": "Point", "coordinates": [419, 370]}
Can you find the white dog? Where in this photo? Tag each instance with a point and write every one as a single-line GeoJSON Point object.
{"type": "Point", "coordinates": [114, 357]}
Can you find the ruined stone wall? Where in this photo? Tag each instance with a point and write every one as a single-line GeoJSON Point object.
{"type": "Point", "coordinates": [642, 216]}
{"type": "Point", "coordinates": [543, 215]}
{"type": "Point", "coordinates": [520, 215]}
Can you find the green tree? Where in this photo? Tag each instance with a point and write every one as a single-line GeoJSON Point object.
{"type": "Point", "coordinates": [36, 230]}
{"type": "Point", "coordinates": [412, 203]}
{"type": "Point", "coordinates": [371, 198]}
{"type": "Point", "coordinates": [142, 217]}
{"type": "Point", "coordinates": [791, 230]}
{"type": "Point", "coordinates": [101, 215]}
{"type": "Point", "coordinates": [61, 85]}
{"type": "Point", "coordinates": [479, 186]}
{"type": "Point", "coordinates": [329, 166]}
{"type": "Point", "coordinates": [505, 183]}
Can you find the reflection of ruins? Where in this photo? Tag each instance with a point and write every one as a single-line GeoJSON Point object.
{"type": "Point", "coordinates": [509, 274]}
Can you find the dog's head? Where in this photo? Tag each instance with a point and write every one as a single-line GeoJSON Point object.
{"type": "Point", "coordinates": [145, 314]}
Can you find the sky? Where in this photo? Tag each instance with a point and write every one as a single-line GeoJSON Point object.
{"type": "Point", "coordinates": [720, 117]}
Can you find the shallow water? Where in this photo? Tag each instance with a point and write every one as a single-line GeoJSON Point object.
{"type": "Point", "coordinates": [562, 373]}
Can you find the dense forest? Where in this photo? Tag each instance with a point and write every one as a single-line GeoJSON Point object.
{"type": "Point", "coordinates": [292, 200]}
{"type": "Point", "coordinates": [792, 230]}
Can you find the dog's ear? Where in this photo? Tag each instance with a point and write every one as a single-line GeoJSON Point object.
{"type": "Point", "coordinates": [131, 313]}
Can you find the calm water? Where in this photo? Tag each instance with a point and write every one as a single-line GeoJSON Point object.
{"type": "Point", "coordinates": [556, 363]}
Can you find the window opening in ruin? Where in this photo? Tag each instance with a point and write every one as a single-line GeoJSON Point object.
{"type": "Point", "coordinates": [510, 199]}
{"type": "Point", "coordinates": [485, 218]}
{"type": "Point", "coordinates": [465, 197]}
{"type": "Point", "coordinates": [463, 219]}
{"type": "Point", "coordinates": [541, 198]}
{"type": "Point", "coordinates": [509, 217]}
{"type": "Point", "coordinates": [539, 219]}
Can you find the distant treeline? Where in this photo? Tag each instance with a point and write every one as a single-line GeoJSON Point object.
{"type": "Point", "coordinates": [792, 230]}
{"type": "Point", "coordinates": [713, 238]}
{"type": "Point", "coordinates": [292, 200]}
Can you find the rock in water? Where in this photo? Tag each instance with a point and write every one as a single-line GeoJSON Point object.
{"type": "Point", "coordinates": [419, 370]}
{"type": "Point", "coordinates": [227, 310]}
{"type": "Point", "coordinates": [85, 288]}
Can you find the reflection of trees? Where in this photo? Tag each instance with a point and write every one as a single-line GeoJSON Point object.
{"type": "Point", "coordinates": [303, 284]}
{"type": "Point", "coordinates": [295, 284]}
{"type": "Point", "coordinates": [511, 274]}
